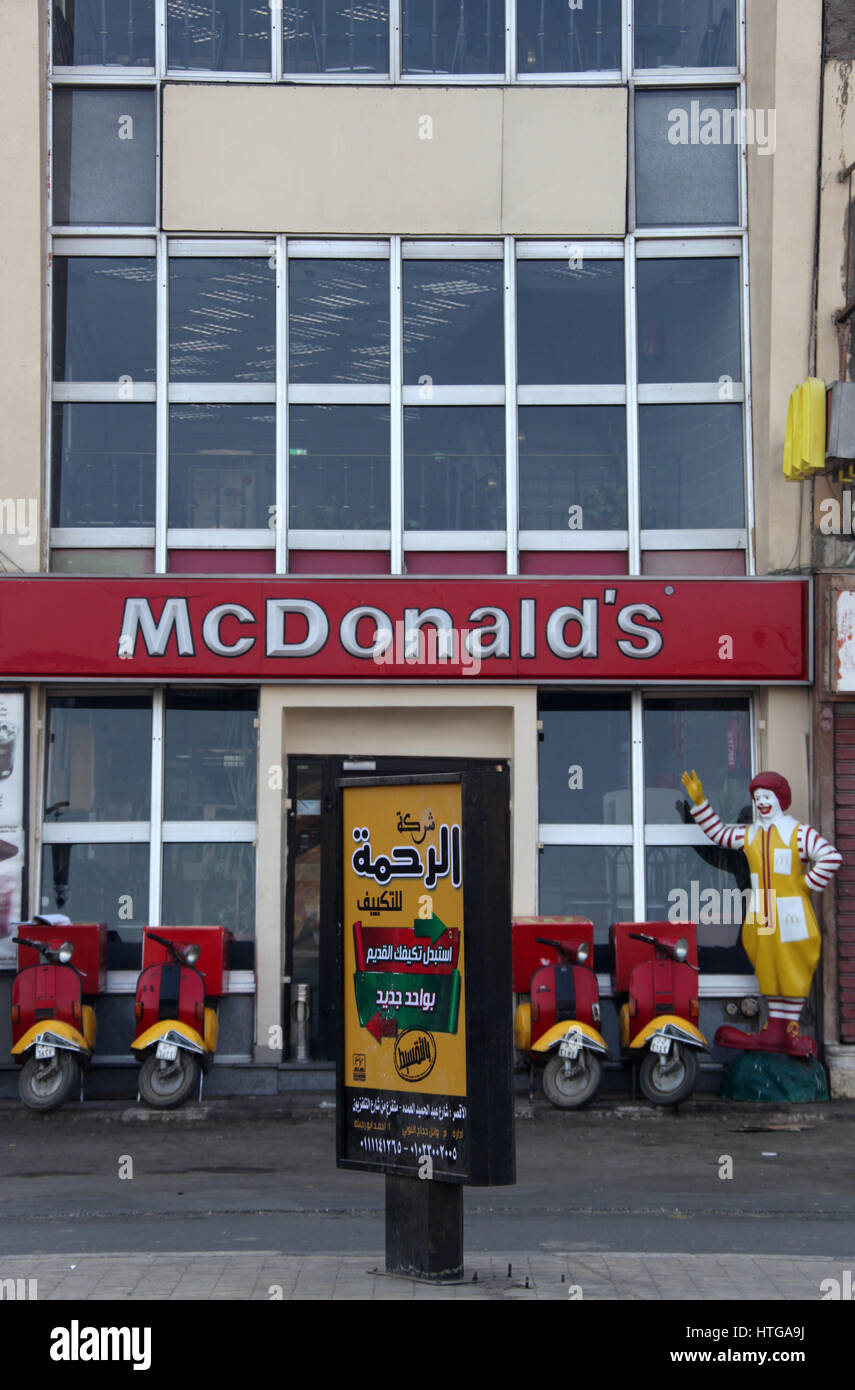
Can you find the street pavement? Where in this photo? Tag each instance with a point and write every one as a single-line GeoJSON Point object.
{"type": "Point", "coordinates": [241, 1200]}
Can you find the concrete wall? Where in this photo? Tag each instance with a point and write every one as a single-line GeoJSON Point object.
{"type": "Point", "coordinates": [381, 160]}
{"type": "Point", "coordinates": [391, 722]}
{"type": "Point", "coordinates": [22, 99]}
{"type": "Point", "coordinates": [784, 40]}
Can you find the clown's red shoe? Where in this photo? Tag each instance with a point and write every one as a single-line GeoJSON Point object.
{"type": "Point", "coordinates": [779, 1035]}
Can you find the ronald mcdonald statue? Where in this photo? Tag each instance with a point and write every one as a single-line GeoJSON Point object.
{"type": "Point", "coordinates": [787, 861]}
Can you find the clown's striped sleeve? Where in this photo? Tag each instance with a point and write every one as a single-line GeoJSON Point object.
{"type": "Point", "coordinates": [730, 836]}
{"type": "Point", "coordinates": [825, 860]}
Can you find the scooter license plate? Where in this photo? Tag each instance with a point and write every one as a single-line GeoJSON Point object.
{"type": "Point", "coordinates": [569, 1048]}
{"type": "Point", "coordinates": [660, 1045]}
{"type": "Point", "coordinates": [167, 1052]}
{"type": "Point", "coordinates": [43, 1051]}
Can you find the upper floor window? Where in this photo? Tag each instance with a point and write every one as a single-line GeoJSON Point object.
{"type": "Point", "coordinates": [410, 40]}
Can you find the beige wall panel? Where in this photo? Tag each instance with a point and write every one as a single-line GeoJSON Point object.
{"type": "Point", "coordinates": [564, 161]}
{"type": "Point", "coordinates": [838, 153]}
{"type": "Point", "coordinates": [388, 720]}
{"type": "Point", "coordinates": [354, 161]}
{"type": "Point", "coordinates": [783, 743]}
{"type": "Point", "coordinates": [22, 239]}
{"type": "Point", "coordinates": [784, 46]}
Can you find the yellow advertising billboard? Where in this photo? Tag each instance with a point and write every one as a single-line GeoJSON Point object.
{"type": "Point", "coordinates": [404, 1049]}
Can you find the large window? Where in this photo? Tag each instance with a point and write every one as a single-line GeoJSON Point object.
{"type": "Point", "coordinates": [393, 395]}
{"type": "Point", "coordinates": [405, 40]}
{"type": "Point", "coordinates": [150, 810]}
{"type": "Point", "coordinates": [617, 840]}
{"type": "Point", "coordinates": [419, 398]}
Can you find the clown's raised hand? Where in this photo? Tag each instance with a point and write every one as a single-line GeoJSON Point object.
{"type": "Point", "coordinates": [694, 786]}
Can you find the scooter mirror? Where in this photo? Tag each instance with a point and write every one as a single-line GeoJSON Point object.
{"type": "Point", "coordinates": [681, 949]}
{"type": "Point", "coordinates": [582, 953]}
{"type": "Point", "coordinates": [191, 954]}
{"type": "Point", "coordinates": [65, 952]}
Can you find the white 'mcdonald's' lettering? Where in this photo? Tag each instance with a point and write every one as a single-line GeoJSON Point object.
{"type": "Point", "coordinates": [211, 629]}
{"type": "Point", "coordinates": [138, 617]}
{"type": "Point", "coordinates": [627, 623]}
{"type": "Point", "coordinates": [299, 628]}
{"type": "Point", "coordinates": [317, 625]}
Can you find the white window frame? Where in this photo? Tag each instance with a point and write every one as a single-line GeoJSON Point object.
{"type": "Point", "coordinates": [641, 834]}
{"type": "Point", "coordinates": [281, 537]}
{"type": "Point", "coordinates": [394, 75]}
{"type": "Point", "coordinates": [154, 831]}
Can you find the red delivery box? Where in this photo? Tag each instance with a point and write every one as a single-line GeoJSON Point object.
{"type": "Point", "coordinates": [626, 954]}
{"type": "Point", "coordinates": [528, 953]}
{"type": "Point", "coordinates": [89, 940]}
{"type": "Point", "coordinates": [213, 943]}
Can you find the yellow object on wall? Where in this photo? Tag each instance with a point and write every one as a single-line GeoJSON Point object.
{"type": "Point", "coordinates": [804, 446]}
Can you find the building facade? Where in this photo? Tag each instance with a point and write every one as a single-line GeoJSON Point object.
{"type": "Point", "coordinates": [391, 387]}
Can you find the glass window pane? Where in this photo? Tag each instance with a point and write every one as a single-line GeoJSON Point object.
{"type": "Point", "coordinates": [454, 468]}
{"type": "Point", "coordinates": [210, 885]}
{"type": "Point", "coordinates": [572, 462]}
{"type": "Point", "coordinates": [103, 156]}
{"type": "Point", "coordinates": [338, 321]}
{"type": "Point", "coordinates": [222, 465]}
{"type": "Point", "coordinates": [687, 157]}
{"type": "Point", "coordinates": [689, 320]}
{"type": "Point", "coordinates": [103, 318]}
{"type": "Point", "coordinates": [99, 758]}
{"type": "Point", "coordinates": [103, 464]}
{"type": "Point", "coordinates": [704, 885]}
{"type": "Point", "coordinates": [219, 35]}
{"type": "Point", "coordinates": [453, 36]}
{"type": "Point", "coordinates": [692, 466]}
{"type": "Point", "coordinates": [453, 332]}
{"type": "Point", "coordinates": [210, 741]}
{"type": "Point", "coordinates": [570, 322]}
{"type": "Point", "coordinates": [97, 883]}
{"type": "Point", "coordinates": [593, 881]}
{"type": "Point", "coordinates": [584, 767]}
{"type": "Point", "coordinates": [553, 36]}
{"type": "Point", "coordinates": [90, 33]}
{"type": "Point", "coordinates": [685, 33]}
{"type": "Point", "coordinates": [709, 736]}
{"type": "Point", "coordinates": [222, 319]}
{"type": "Point", "coordinates": [339, 467]}
{"type": "Point", "coordinates": [336, 37]}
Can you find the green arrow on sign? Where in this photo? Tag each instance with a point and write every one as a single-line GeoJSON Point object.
{"type": "Point", "coordinates": [432, 926]}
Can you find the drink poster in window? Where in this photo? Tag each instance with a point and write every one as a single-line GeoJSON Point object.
{"type": "Point", "coordinates": [404, 1063]}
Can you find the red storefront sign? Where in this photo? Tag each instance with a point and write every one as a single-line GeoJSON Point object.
{"type": "Point", "coordinates": [533, 630]}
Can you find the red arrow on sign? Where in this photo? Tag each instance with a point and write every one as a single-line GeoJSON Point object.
{"type": "Point", "coordinates": [380, 1027]}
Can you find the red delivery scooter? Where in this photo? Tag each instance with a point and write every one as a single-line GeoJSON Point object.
{"type": "Point", "coordinates": [559, 1024]}
{"type": "Point", "coordinates": [176, 1032]}
{"type": "Point", "coordinates": [53, 1030]}
{"type": "Point", "coordinates": [659, 975]}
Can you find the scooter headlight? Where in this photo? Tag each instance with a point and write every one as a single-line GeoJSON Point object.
{"type": "Point", "coordinates": [191, 954]}
{"type": "Point", "coordinates": [65, 952]}
{"type": "Point", "coordinates": [582, 953]}
{"type": "Point", "coordinates": [681, 949]}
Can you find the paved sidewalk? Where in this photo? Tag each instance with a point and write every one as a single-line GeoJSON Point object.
{"type": "Point", "coordinates": [266, 1276]}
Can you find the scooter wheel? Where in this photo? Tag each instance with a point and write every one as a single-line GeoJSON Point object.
{"type": "Point", "coordinates": [44, 1086]}
{"type": "Point", "coordinates": [165, 1086]}
{"type": "Point", "coordinates": [570, 1092]}
{"type": "Point", "coordinates": [669, 1078]}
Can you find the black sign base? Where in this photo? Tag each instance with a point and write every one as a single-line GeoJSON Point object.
{"type": "Point", "coordinates": [424, 1228]}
